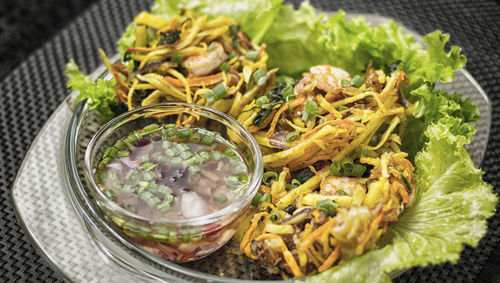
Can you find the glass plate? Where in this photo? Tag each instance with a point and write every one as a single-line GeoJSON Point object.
{"type": "Point", "coordinates": [62, 225]}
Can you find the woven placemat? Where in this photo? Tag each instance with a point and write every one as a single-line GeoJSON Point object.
{"type": "Point", "coordinates": [30, 93]}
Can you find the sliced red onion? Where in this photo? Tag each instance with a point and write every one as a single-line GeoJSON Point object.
{"type": "Point", "coordinates": [151, 65]}
{"type": "Point", "coordinates": [277, 144]}
{"type": "Point", "coordinates": [129, 163]}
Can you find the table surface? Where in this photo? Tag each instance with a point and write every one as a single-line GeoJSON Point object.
{"type": "Point", "coordinates": [37, 37]}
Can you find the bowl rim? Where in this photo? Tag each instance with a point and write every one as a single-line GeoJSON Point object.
{"type": "Point", "coordinates": [233, 209]}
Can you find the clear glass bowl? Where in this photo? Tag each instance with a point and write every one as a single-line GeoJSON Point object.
{"type": "Point", "coordinates": [179, 240]}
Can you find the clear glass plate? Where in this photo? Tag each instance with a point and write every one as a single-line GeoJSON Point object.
{"type": "Point", "coordinates": [52, 206]}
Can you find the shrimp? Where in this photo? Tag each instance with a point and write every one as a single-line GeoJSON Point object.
{"type": "Point", "coordinates": [332, 184]}
{"type": "Point", "coordinates": [323, 77]}
{"type": "Point", "coordinates": [205, 63]}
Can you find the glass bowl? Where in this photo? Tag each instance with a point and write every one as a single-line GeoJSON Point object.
{"type": "Point", "coordinates": [185, 239]}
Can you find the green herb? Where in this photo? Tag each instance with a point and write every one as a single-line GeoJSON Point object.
{"type": "Point", "coordinates": [327, 206]}
{"type": "Point", "coordinates": [275, 216]}
{"type": "Point", "coordinates": [335, 168]}
{"type": "Point", "coordinates": [252, 55]}
{"type": "Point", "coordinates": [357, 81]}
{"type": "Point", "coordinates": [260, 77]}
{"type": "Point", "coordinates": [310, 110]}
{"type": "Point", "coordinates": [269, 177]}
{"type": "Point", "coordinates": [256, 199]}
{"type": "Point", "coordinates": [177, 58]}
{"type": "Point", "coordinates": [225, 67]}
{"type": "Point", "coordinates": [220, 199]}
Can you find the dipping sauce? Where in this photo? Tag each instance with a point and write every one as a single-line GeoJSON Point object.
{"type": "Point", "coordinates": [166, 172]}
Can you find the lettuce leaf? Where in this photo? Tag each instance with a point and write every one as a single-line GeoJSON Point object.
{"type": "Point", "coordinates": [451, 209]}
{"type": "Point", "coordinates": [254, 16]}
{"type": "Point", "coordinates": [99, 95]}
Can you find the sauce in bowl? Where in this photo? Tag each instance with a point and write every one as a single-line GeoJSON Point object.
{"type": "Point", "coordinates": [166, 172]}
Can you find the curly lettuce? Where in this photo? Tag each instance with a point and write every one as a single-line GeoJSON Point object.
{"type": "Point", "coordinates": [99, 95]}
{"type": "Point", "coordinates": [451, 210]}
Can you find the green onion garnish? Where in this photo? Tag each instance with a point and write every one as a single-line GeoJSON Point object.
{"type": "Point", "coordinates": [256, 199]}
{"type": "Point", "coordinates": [231, 55]}
{"type": "Point", "coordinates": [358, 170]}
{"type": "Point", "coordinates": [295, 183]}
{"type": "Point", "coordinates": [110, 194]}
{"type": "Point", "coordinates": [123, 153]}
{"type": "Point", "coordinates": [342, 108]}
{"type": "Point", "coordinates": [220, 91]}
{"type": "Point", "coordinates": [311, 110]}
{"type": "Point", "coordinates": [268, 177]}
{"type": "Point", "coordinates": [220, 199]}
{"type": "Point", "coordinates": [252, 55]}
{"type": "Point", "coordinates": [342, 193]}
{"type": "Point", "coordinates": [347, 164]}
{"type": "Point", "coordinates": [260, 77]}
{"type": "Point", "coordinates": [210, 97]}
{"type": "Point", "coordinates": [327, 206]}
{"type": "Point", "coordinates": [363, 151]}
{"type": "Point", "coordinates": [275, 216]}
{"type": "Point", "coordinates": [335, 168]}
{"type": "Point", "coordinates": [266, 197]}
{"type": "Point", "coordinates": [261, 101]}
{"type": "Point", "coordinates": [177, 58]}
{"type": "Point", "coordinates": [346, 83]}
{"type": "Point", "coordinates": [225, 67]}
{"type": "Point", "coordinates": [293, 136]}
{"type": "Point", "coordinates": [357, 81]}
{"type": "Point", "coordinates": [176, 162]}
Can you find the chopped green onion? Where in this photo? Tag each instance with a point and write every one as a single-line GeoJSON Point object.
{"type": "Point", "coordinates": [211, 46]}
{"type": "Point", "coordinates": [363, 151]}
{"type": "Point", "coordinates": [347, 164]}
{"type": "Point", "coordinates": [184, 236]}
{"type": "Point", "coordinates": [217, 155]}
{"type": "Point", "coordinates": [230, 153]}
{"type": "Point", "coordinates": [310, 110]}
{"type": "Point", "coordinates": [295, 183]}
{"type": "Point", "coordinates": [160, 158]}
{"type": "Point", "coordinates": [210, 97]}
{"type": "Point", "coordinates": [149, 176]}
{"type": "Point", "coordinates": [342, 193]}
{"type": "Point", "coordinates": [335, 168]}
{"type": "Point", "coordinates": [220, 199]}
{"type": "Point", "coordinates": [103, 163]}
{"type": "Point", "coordinates": [148, 166]}
{"type": "Point", "coordinates": [176, 162]}
{"type": "Point", "coordinates": [232, 182]}
{"type": "Point", "coordinates": [123, 153]}
{"type": "Point", "coordinates": [293, 136]}
{"type": "Point", "coordinates": [265, 198]}
{"type": "Point", "coordinates": [345, 83]}
{"type": "Point", "coordinates": [207, 140]}
{"type": "Point", "coordinates": [252, 55]}
{"type": "Point", "coordinates": [287, 92]}
{"type": "Point", "coordinates": [164, 207]}
{"type": "Point", "coordinates": [260, 77]}
{"type": "Point", "coordinates": [110, 194]}
{"type": "Point", "coordinates": [171, 152]}
{"type": "Point", "coordinates": [327, 206]}
{"type": "Point", "coordinates": [275, 216]}
{"type": "Point", "coordinates": [120, 145]}
{"type": "Point", "coordinates": [261, 101]}
{"type": "Point", "coordinates": [225, 67]}
{"type": "Point", "coordinates": [342, 108]}
{"type": "Point", "coordinates": [182, 147]}
{"type": "Point", "coordinates": [357, 81]}
{"type": "Point", "coordinates": [177, 58]}
{"type": "Point", "coordinates": [110, 152]}
{"type": "Point", "coordinates": [185, 154]}
{"type": "Point", "coordinates": [290, 108]}
{"type": "Point", "coordinates": [269, 175]}
{"type": "Point", "coordinates": [185, 133]}
{"type": "Point", "coordinates": [240, 169]}
{"type": "Point", "coordinates": [219, 91]}
{"type": "Point", "coordinates": [195, 137]}
{"type": "Point", "coordinates": [256, 199]}
{"type": "Point", "coordinates": [231, 55]}
{"type": "Point", "coordinates": [172, 237]}
{"type": "Point", "coordinates": [151, 128]}
{"type": "Point", "coordinates": [133, 175]}
{"type": "Point", "coordinates": [205, 156]}
{"type": "Point", "coordinates": [166, 144]}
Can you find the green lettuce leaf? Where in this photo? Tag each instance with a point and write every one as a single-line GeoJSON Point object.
{"type": "Point", "coordinates": [254, 16]}
{"type": "Point", "coordinates": [451, 209]}
{"type": "Point", "coordinates": [99, 95]}
{"type": "Point", "coordinates": [293, 41]}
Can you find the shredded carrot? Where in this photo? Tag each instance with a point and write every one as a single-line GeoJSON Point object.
{"type": "Point", "coordinates": [330, 260]}
{"type": "Point", "coordinates": [293, 103]}
{"type": "Point", "coordinates": [316, 234]}
{"type": "Point", "coordinates": [373, 227]}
